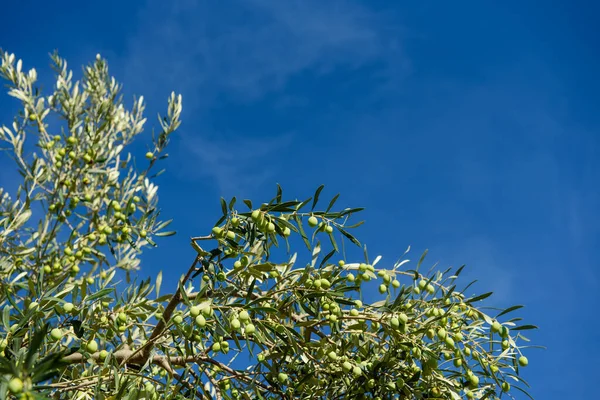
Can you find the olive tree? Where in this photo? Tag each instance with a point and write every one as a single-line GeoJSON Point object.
{"type": "Point", "coordinates": [249, 318]}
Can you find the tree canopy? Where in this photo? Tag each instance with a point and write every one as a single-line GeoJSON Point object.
{"type": "Point", "coordinates": [270, 307]}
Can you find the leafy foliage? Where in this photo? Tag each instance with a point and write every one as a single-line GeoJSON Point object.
{"type": "Point", "coordinates": [247, 319]}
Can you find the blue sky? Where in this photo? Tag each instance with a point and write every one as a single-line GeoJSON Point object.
{"type": "Point", "coordinates": [467, 128]}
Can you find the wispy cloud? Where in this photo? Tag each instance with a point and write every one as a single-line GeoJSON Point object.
{"type": "Point", "coordinates": [237, 166]}
{"type": "Point", "coordinates": [484, 262]}
{"type": "Point", "coordinates": [250, 47]}
{"type": "Point", "coordinates": [214, 52]}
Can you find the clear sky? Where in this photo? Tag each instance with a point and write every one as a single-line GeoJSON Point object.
{"type": "Point", "coordinates": [469, 128]}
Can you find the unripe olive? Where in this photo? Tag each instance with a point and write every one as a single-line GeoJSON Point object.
{"type": "Point", "coordinates": [523, 361]}
{"type": "Point", "coordinates": [194, 311]}
{"type": "Point", "coordinates": [313, 221]}
{"type": "Point", "coordinates": [250, 329]}
{"type": "Point", "coordinates": [15, 385]}
{"type": "Point", "coordinates": [474, 380]}
{"type": "Point", "coordinates": [282, 377]}
{"type": "Point", "coordinates": [244, 316]}
{"type": "Point", "coordinates": [68, 307]}
{"type": "Point", "coordinates": [441, 333]}
{"type": "Point", "coordinates": [92, 346]}
{"type": "Point", "coordinates": [347, 366]}
{"type": "Point", "coordinates": [224, 346]}
{"type": "Point", "coordinates": [496, 327]}
{"type": "Point", "coordinates": [56, 334]}
{"type": "Point", "coordinates": [403, 318]}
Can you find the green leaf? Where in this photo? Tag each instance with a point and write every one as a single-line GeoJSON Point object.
{"type": "Point", "coordinates": [332, 202]}
{"type": "Point", "coordinates": [349, 236]}
{"type": "Point", "coordinates": [163, 225]}
{"type": "Point", "coordinates": [327, 257]}
{"type": "Point", "coordinates": [248, 203]}
{"type": "Point", "coordinates": [34, 346]}
{"type": "Point", "coordinates": [523, 327]}
{"type": "Point", "coordinates": [168, 233]}
{"type": "Point", "coordinates": [266, 310]}
{"type": "Point", "coordinates": [480, 297]}
{"type": "Point", "coordinates": [25, 252]}
{"type": "Point", "coordinates": [99, 294]}
{"type": "Point", "coordinates": [265, 267]}
{"type": "Point", "coordinates": [21, 219]}
{"type": "Point", "coordinates": [509, 309]}
{"type": "Point", "coordinates": [158, 282]}
{"type": "Point", "coordinates": [232, 203]}
{"type": "Point", "coordinates": [316, 197]}
{"type": "Point", "coordinates": [223, 206]}
{"type": "Point", "coordinates": [301, 229]}
{"type": "Point", "coordinates": [523, 391]}
{"type": "Point", "coordinates": [421, 260]}
{"type": "Point", "coordinates": [349, 211]}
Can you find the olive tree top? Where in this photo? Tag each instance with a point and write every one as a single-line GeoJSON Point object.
{"type": "Point", "coordinates": [246, 321]}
